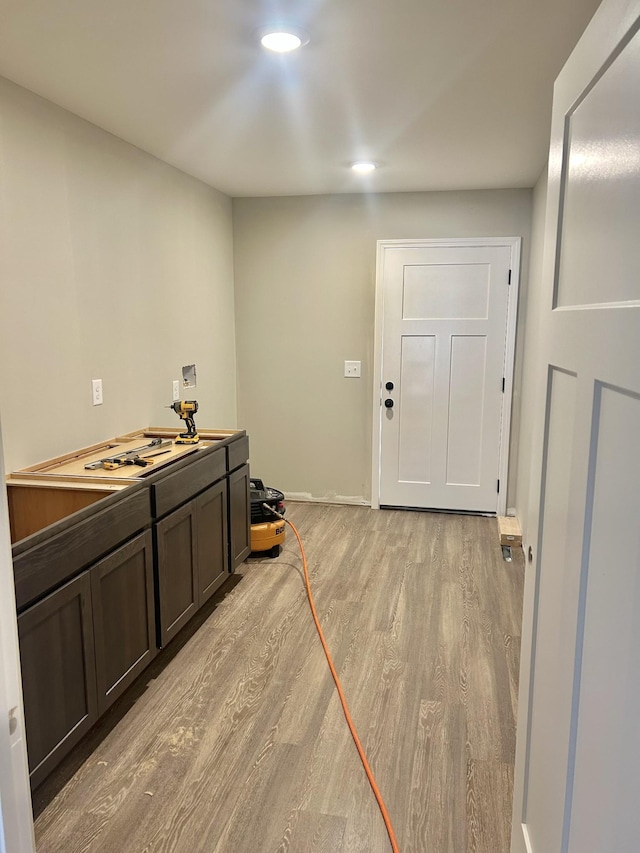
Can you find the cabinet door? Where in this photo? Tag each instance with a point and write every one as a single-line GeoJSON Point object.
{"type": "Point", "coordinates": [58, 674]}
{"type": "Point", "coordinates": [177, 570]}
{"type": "Point", "coordinates": [239, 516]}
{"type": "Point", "coordinates": [212, 547]}
{"type": "Point", "coordinates": [123, 617]}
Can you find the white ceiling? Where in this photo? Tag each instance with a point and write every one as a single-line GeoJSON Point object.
{"type": "Point", "coordinates": [445, 94]}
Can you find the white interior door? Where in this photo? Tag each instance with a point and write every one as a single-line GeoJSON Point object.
{"type": "Point", "coordinates": [578, 768]}
{"type": "Point", "coordinates": [443, 373]}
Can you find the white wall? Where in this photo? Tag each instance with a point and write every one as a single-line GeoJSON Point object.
{"type": "Point", "coordinates": [305, 289]}
{"type": "Point", "coordinates": [113, 265]}
{"type": "Point", "coordinates": [527, 488]}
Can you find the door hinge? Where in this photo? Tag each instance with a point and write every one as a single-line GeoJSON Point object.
{"type": "Point", "coordinates": [498, 489]}
{"type": "Point", "coordinates": [509, 276]}
{"type": "Point", "coordinates": [503, 384]}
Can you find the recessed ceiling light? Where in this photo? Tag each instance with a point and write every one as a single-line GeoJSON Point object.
{"type": "Point", "coordinates": [364, 166]}
{"type": "Point", "coordinates": [282, 39]}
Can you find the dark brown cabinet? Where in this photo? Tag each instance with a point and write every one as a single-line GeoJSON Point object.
{"type": "Point", "coordinates": [99, 589]}
{"type": "Point", "coordinates": [177, 570]}
{"type": "Point", "coordinates": [58, 674]}
{"type": "Point", "coordinates": [212, 540]}
{"type": "Point", "coordinates": [123, 617]}
{"type": "Point", "coordinates": [239, 516]}
{"type": "Point", "coordinates": [192, 561]}
{"type": "Point", "coordinates": [81, 647]}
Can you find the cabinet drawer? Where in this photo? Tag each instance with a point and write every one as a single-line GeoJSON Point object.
{"type": "Point", "coordinates": [237, 453]}
{"type": "Point", "coordinates": [194, 477]}
{"type": "Point", "coordinates": [61, 556]}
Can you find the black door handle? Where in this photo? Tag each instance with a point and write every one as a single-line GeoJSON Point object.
{"type": "Point", "coordinates": [389, 386]}
{"type": "Point", "coordinates": [388, 404]}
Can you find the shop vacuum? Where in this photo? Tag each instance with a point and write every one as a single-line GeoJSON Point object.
{"type": "Point", "coordinates": [267, 531]}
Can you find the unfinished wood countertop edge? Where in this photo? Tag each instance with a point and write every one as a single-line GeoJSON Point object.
{"type": "Point", "coordinates": [49, 469]}
{"type": "Point", "coordinates": [62, 481]}
{"type": "Point", "coordinates": [171, 432]}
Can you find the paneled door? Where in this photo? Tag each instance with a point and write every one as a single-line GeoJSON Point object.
{"type": "Point", "coordinates": [443, 390]}
{"type": "Point", "coordinates": [577, 777]}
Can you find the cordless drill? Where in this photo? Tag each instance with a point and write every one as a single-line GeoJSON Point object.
{"type": "Point", "coordinates": [186, 409]}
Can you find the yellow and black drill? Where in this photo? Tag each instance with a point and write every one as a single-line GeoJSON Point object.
{"type": "Point", "coordinates": [186, 409]}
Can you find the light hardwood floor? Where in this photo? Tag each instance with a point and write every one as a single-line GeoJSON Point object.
{"type": "Point", "coordinates": [234, 740]}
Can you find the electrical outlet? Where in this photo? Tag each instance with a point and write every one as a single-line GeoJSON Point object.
{"type": "Point", "coordinates": [176, 390]}
{"type": "Point", "coordinates": [352, 369]}
{"type": "Point", "coordinates": [96, 392]}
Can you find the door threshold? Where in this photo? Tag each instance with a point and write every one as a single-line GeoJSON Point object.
{"type": "Point", "coordinates": [438, 509]}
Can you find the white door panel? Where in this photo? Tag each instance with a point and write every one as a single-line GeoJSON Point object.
{"type": "Point", "coordinates": [467, 397]}
{"type": "Point", "coordinates": [444, 347]}
{"type": "Point", "coordinates": [415, 398]}
{"type": "Point", "coordinates": [600, 250]}
{"type": "Point", "coordinates": [605, 814]}
{"type": "Point", "coordinates": [578, 777]}
{"type": "Point", "coordinates": [550, 721]}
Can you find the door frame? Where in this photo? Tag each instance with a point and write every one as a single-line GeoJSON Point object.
{"type": "Point", "coordinates": [16, 817]}
{"type": "Point", "coordinates": [514, 244]}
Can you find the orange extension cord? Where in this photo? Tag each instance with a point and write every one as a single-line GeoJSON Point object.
{"type": "Point", "coordinates": [343, 701]}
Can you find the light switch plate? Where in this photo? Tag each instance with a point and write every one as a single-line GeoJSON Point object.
{"type": "Point", "coordinates": [352, 369]}
{"type": "Point", "coordinates": [176, 391]}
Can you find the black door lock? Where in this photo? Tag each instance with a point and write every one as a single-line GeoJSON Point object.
{"type": "Point", "coordinates": [388, 404]}
{"type": "Point", "coordinates": [389, 386]}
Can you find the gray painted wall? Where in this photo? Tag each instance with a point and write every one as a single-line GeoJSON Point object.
{"type": "Point", "coordinates": [117, 266]}
{"type": "Point", "coordinates": [304, 289]}
{"type": "Point", "coordinates": [113, 266]}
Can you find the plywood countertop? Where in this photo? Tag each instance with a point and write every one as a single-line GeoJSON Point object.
{"type": "Point", "coordinates": [69, 470]}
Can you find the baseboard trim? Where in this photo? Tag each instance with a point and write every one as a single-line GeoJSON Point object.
{"type": "Point", "coordinates": [346, 500]}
